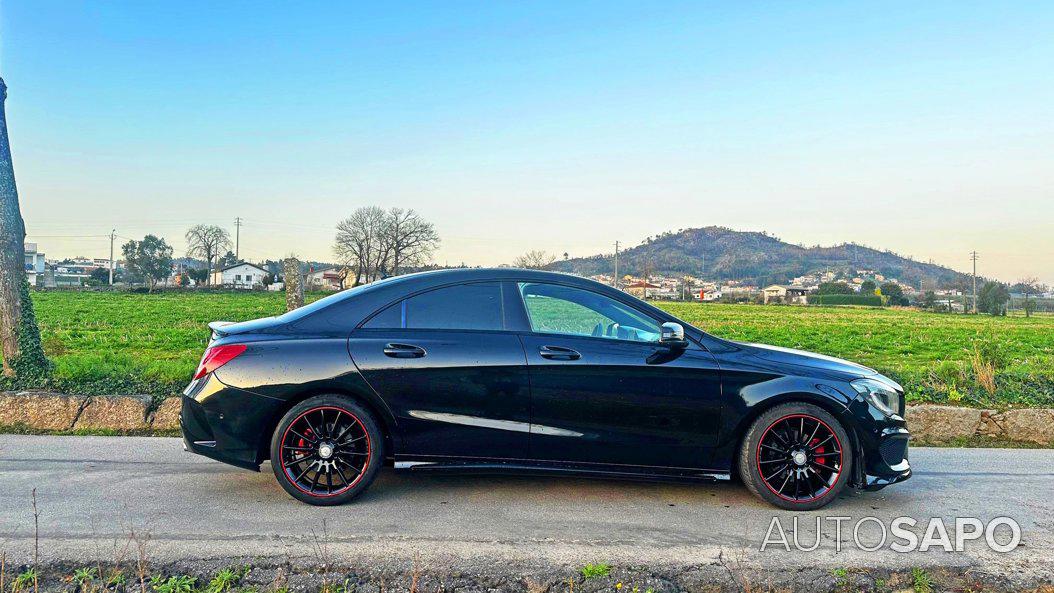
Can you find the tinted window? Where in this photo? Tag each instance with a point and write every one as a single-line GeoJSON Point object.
{"type": "Point", "coordinates": [558, 309]}
{"type": "Point", "coordinates": [391, 317]}
{"type": "Point", "coordinates": [466, 306]}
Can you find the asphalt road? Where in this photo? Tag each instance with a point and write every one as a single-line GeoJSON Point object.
{"type": "Point", "coordinates": [92, 491]}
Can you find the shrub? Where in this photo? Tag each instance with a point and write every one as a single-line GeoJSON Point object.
{"type": "Point", "coordinates": [866, 300]}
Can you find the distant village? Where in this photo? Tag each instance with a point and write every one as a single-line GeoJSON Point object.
{"type": "Point", "coordinates": [235, 274]}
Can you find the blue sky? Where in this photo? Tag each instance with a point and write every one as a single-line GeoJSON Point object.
{"type": "Point", "coordinates": [925, 128]}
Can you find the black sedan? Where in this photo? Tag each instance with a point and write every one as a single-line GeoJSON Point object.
{"type": "Point", "coordinates": [517, 370]}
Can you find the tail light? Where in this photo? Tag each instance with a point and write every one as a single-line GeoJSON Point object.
{"type": "Point", "coordinates": [217, 356]}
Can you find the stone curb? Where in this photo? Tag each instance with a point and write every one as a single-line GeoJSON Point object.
{"type": "Point", "coordinates": [55, 411]}
{"type": "Point", "coordinates": [939, 424]}
{"type": "Point", "coordinates": [42, 410]}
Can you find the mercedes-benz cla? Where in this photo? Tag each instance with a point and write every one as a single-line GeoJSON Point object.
{"type": "Point", "coordinates": [517, 370]}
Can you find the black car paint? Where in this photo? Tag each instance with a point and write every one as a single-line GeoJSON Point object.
{"type": "Point", "coordinates": [488, 400]}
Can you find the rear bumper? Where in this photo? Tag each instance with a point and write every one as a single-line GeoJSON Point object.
{"type": "Point", "coordinates": [226, 423]}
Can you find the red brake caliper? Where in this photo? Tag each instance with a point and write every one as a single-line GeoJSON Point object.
{"type": "Point", "coordinates": [819, 450]}
{"type": "Point", "coordinates": [303, 443]}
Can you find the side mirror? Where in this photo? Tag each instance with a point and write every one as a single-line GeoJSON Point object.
{"type": "Point", "coordinates": [673, 335]}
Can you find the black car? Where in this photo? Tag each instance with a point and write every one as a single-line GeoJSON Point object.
{"type": "Point", "coordinates": [518, 370]}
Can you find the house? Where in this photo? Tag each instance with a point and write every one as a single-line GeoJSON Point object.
{"type": "Point", "coordinates": [34, 263]}
{"type": "Point", "coordinates": [785, 294]}
{"type": "Point", "coordinates": [332, 278]}
{"type": "Point", "coordinates": [240, 275]}
{"type": "Point", "coordinates": [641, 288]}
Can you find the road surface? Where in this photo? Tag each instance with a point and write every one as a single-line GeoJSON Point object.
{"type": "Point", "coordinates": [92, 491]}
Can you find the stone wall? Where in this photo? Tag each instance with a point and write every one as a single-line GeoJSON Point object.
{"type": "Point", "coordinates": [940, 424]}
{"type": "Point", "coordinates": [56, 412]}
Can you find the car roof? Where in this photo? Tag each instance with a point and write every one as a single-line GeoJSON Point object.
{"type": "Point", "coordinates": [354, 305]}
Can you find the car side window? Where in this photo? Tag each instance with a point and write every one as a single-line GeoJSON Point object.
{"type": "Point", "coordinates": [464, 306]}
{"type": "Point", "coordinates": [557, 309]}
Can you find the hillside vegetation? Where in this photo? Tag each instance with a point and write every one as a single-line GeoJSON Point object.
{"type": "Point", "coordinates": [723, 254]}
{"type": "Point", "coordinates": [118, 342]}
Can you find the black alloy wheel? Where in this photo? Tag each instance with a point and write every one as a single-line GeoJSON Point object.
{"type": "Point", "coordinates": [796, 456]}
{"type": "Point", "coordinates": [326, 450]}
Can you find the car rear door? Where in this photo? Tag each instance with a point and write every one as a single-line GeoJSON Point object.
{"type": "Point", "coordinates": [604, 390]}
{"type": "Point", "coordinates": [454, 378]}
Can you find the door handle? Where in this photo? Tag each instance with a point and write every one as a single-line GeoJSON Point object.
{"type": "Point", "coordinates": [403, 351]}
{"type": "Point", "coordinates": [558, 353]}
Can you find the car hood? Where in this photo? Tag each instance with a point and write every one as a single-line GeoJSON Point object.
{"type": "Point", "coordinates": [807, 359]}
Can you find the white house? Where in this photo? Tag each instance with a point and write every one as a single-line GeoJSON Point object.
{"type": "Point", "coordinates": [332, 278]}
{"type": "Point", "coordinates": [788, 294]}
{"type": "Point", "coordinates": [240, 275]}
{"type": "Point", "coordinates": [34, 263]}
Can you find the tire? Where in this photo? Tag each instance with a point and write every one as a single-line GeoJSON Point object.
{"type": "Point", "coordinates": [801, 482]}
{"type": "Point", "coordinates": [327, 450]}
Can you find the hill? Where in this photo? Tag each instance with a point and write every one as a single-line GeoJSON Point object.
{"type": "Point", "coordinates": [717, 253]}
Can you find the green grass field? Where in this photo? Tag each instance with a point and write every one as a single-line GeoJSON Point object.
{"type": "Point", "coordinates": [119, 342]}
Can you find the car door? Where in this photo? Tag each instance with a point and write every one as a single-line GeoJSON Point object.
{"type": "Point", "coordinates": [454, 378]}
{"type": "Point", "coordinates": [604, 390]}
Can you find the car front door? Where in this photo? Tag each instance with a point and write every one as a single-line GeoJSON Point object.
{"type": "Point", "coordinates": [604, 390]}
{"type": "Point", "coordinates": [454, 378]}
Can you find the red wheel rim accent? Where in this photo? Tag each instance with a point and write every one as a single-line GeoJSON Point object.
{"type": "Point", "coordinates": [799, 458]}
{"type": "Point", "coordinates": [325, 451]}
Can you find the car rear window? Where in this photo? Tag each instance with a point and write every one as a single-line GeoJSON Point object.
{"type": "Point", "coordinates": [465, 306]}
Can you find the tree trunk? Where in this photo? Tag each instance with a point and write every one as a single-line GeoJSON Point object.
{"type": "Point", "coordinates": [294, 284]}
{"type": "Point", "coordinates": [12, 249]}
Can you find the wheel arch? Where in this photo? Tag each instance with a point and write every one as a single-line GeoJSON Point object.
{"type": "Point", "coordinates": [820, 400]}
{"type": "Point", "coordinates": [369, 401]}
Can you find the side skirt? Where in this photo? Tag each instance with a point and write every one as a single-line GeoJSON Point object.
{"type": "Point", "coordinates": [519, 467]}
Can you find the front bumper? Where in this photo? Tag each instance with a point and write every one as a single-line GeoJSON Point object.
{"type": "Point", "coordinates": [226, 423]}
{"type": "Point", "coordinates": [882, 445]}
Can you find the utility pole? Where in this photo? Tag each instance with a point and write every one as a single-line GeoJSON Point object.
{"type": "Point", "coordinates": [973, 256]}
{"type": "Point", "coordinates": [237, 236]}
{"type": "Point", "coordinates": [616, 264]}
{"type": "Point", "coordinates": [112, 233]}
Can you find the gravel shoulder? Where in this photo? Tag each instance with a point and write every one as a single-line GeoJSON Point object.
{"type": "Point", "coordinates": [92, 492]}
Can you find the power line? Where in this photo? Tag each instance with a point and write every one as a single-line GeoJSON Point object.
{"type": "Point", "coordinates": [237, 236]}
{"type": "Point", "coordinates": [973, 257]}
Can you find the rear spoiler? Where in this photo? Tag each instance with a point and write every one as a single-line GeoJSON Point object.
{"type": "Point", "coordinates": [216, 327]}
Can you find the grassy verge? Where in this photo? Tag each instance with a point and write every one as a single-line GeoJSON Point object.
{"type": "Point", "coordinates": [120, 342]}
{"type": "Point", "coordinates": [97, 432]}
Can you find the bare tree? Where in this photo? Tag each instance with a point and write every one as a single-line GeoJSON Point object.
{"type": "Point", "coordinates": [410, 239]}
{"type": "Point", "coordinates": [1029, 287]}
{"type": "Point", "coordinates": [207, 241]}
{"type": "Point", "coordinates": [534, 260]}
{"type": "Point", "coordinates": [360, 242]}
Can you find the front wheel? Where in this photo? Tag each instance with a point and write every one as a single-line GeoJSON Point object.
{"type": "Point", "coordinates": [326, 450]}
{"type": "Point", "coordinates": [796, 456]}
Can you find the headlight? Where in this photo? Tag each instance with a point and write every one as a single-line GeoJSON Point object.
{"type": "Point", "coordinates": [881, 395]}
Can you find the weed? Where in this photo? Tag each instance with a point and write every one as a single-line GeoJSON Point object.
{"type": "Point", "coordinates": [24, 580]}
{"type": "Point", "coordinates": [225, 580]}
{"type": "Point", "coordinates": [920, 581]}
{"type": "Point", "coordinates": [174, 584]}
{"type": "Point", "coordinates": [82, 577]}
{"type": "Point", "coordinates": [841, 576]}
{"type": "Point", "coordinates": [117, 579]}
{"type": "Point", "coordinates": [592, 571]}
{"type": "Point", "coordinates": [983, 371]}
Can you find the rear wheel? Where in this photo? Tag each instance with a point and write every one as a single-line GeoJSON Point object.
{"type": "Point", "coordinates": [326, 450]}
{"type": "Point", "coordinates": [796, 456]}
